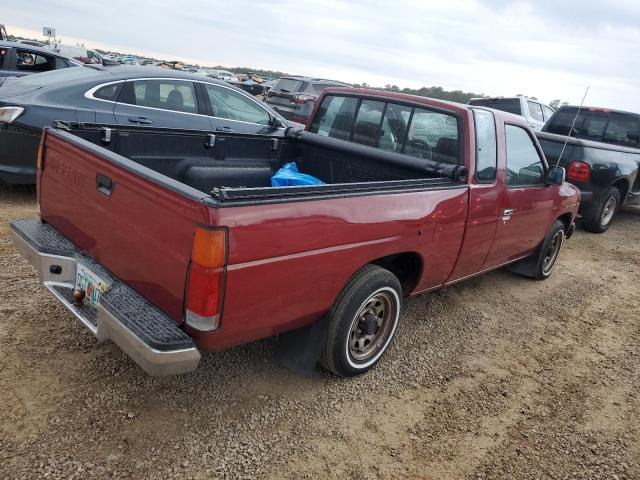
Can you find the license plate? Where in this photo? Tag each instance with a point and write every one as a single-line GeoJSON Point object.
{"type": "Point", "coordinates": [92, 285]}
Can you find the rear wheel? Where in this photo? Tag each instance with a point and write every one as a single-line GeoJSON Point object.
{"type": "Point", "coordinates": [362, 322]}
{"type": "Point", "coordinates": [604, 213]}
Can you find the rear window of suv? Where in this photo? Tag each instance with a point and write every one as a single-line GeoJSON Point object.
{"type": "Point", "coordinates": [597, 125]}
{"type": "Point", "coordinates": [288, 85]}
{"type": "Point", "coordinates": [511, 105]}
{"type": "Point", "coordinates": [415, 131]}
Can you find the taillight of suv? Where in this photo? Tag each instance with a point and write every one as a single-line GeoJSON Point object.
{"type": "Point", "coordinates": [302, 98]}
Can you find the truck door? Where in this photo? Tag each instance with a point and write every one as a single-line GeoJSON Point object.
{"type": "Point", "coordinates": [484, 198]}
{"type": "Point", "coordinates": [526, 202]}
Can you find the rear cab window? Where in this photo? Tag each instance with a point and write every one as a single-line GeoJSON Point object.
{"type": "Point", "coordinates": [415, 131]}
{"type": "Point", "coordinates": [598, 125]}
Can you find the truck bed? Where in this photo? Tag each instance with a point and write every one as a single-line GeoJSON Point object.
{"type": "Point", "coordinates": [237, 168]}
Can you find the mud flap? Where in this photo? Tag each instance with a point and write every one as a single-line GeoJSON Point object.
{"type": "Point", "coordinates": [299, 350]}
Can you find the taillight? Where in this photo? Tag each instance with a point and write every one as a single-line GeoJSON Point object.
{"type": "Point", "coordinates": [579, 171]}
{"type": "Point", "coordinates": [39, 170]}
{"type": "Point", "coordinates": [303, 98]}
{"type": "Point", "coordinates": [205, 285]}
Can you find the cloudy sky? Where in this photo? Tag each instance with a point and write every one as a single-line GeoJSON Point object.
{"type": "Point", "coordinates": [545, 48]}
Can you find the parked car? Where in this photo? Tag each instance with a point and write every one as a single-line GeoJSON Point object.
{"type": "Point", "coordinates": [295, 97]}
{"type": "Point", "coordinates": [18, 59]}
{"type": "Point", "coordinates": [118, 94]}
{"type": "Point", "coordinates": [81, 54]}
{"type": "Point", "coordinates": [223, 75]}
{"type": "Point", "coordinates": [129, 60]}
{"type": "Point", "coordinates": [535, 112]}
{"type": "Point", "coordinates": [602, 158]}
{"type": "Point", "coordinates": [174, 242]}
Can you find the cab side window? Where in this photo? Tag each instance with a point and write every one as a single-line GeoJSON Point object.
{"type": "Point", "coordinates": [4, 54]}
{"type": "Point", "coordinates": [524, 165]}
{"type": "Point", "coordinates": [486, 149]}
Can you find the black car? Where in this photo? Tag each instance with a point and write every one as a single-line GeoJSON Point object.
{"type": "Point", "coordinates": [294, 97]}
{"type": "Point", "coordinates": [600, 149]}
{"type": "Point", "coordinates": [126, 95]}
{"type": "Point", "coordinates": [18, 59]}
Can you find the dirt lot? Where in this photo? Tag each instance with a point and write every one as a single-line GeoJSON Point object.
{"type": "Point", "coordinates": [500, 377]}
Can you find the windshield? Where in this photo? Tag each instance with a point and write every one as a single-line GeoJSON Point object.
{"type": "Point", "coordinates": [288, 85]}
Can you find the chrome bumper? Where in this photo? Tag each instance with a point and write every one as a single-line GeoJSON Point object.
{"type": "Point", "coordinates": [160, 347]}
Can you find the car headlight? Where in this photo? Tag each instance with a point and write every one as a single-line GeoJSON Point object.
{"type": "Point", "coordinates": [9, 114]}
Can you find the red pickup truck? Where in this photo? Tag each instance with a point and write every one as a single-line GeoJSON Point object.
{"type": "Point", "coordinates": [173, 242]}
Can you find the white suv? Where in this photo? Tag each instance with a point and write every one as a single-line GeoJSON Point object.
{"type": "Point", "coordinates": [535, 112]}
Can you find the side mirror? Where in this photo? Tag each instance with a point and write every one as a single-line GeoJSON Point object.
{"type": "Point", "coordinates": [276, 123]}
{"type": "Point", "coordinates": [555, 176]}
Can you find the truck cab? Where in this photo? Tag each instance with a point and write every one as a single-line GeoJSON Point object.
{"type": "Point", "coordinates": [176, 242]}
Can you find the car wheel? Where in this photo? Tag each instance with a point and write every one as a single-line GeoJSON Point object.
{"type": "Point", "coordinates": [605, 212]}
{"type": "Point", "coordinates": [362, 322]}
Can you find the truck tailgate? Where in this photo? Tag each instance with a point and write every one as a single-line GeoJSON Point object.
{"type": "Point", "coordinates": [136, 223]}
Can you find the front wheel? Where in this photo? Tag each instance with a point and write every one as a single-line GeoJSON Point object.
{"type": "Point", "coordinates": [604, 213]}
{"type": "Point", "coordinates": [362, 322]}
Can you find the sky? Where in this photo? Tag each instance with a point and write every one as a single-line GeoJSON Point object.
{"type": "Point", "coordinates": [550, 49]}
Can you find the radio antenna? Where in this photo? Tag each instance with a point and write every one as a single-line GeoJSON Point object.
{"type": "Point", "coordinates": [575, 119]}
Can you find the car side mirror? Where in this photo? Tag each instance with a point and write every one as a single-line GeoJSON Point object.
{"type": "Point", "coordinates": [555, 176]}
{"type": "Point", "coordinates": [276, 123]}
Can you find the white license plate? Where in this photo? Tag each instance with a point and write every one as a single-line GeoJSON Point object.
{"type": "Point", "coordinates": [92, 285]}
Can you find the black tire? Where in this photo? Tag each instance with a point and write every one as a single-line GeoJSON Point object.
{"type": "Point", "coordinates": [541, 263]}
{"type": "Point", "coordinates": [367, 309]}
{"type": "Point", "coordinates": [604, 213]}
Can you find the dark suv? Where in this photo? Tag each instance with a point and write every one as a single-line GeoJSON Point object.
{"type": "Point", "coordinates": [294, 97]}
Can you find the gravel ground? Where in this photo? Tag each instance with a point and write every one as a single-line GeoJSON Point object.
{"type": "Point", "coordinates": [499, 377]}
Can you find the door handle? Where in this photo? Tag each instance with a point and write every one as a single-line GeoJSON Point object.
{"type": "Point", "coordinates": [104, 184]}
{"type": "Point", "coordinates": [224, 129]}
{"type": "Point", "coordinates": [507, 213]}
{"type": "Point", "coordinates": [140, 120]}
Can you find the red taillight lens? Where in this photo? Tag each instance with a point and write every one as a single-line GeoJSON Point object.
{"type": "Point", "coordinates": [303, 98]}
{"type": "Point", "coordinates": [205, 284]}
{"type": "Point", "coordinates": [579, 171]}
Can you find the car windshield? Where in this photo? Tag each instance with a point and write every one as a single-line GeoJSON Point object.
{"type": "Point", "coordinates": [511, 105]}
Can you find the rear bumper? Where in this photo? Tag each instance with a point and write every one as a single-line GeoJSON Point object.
{"type": "Point", "coordinates": [152, 339]}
